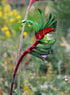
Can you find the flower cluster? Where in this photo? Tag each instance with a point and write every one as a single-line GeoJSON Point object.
{"type": "Point", "coordinates": [41, 51]}
{"type": "Point", "coordinates": [11, 20]}
{"type": "Point", "coordinates": [41, 48]}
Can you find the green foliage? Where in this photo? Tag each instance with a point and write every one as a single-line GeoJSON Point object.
{"type": "Point", "coordinates": [61, 10]}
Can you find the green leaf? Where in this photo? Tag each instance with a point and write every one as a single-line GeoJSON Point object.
{"type": "Point", "coordinates": [42, 16]}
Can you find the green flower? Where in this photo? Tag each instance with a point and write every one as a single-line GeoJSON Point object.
{"type": "Point", "coordinates": [43, 29]}
{"type": "Point", "coordinates": [44, 47]}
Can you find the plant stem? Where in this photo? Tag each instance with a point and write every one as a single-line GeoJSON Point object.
{"type": "Point", "coordinates": [18, 63]}
{"type": "Point", "coordinates": [20, 46]}
{"type": "Point", "coordinates": [17, 66]}
{"type": "Point", "coordinates": [21, 36]}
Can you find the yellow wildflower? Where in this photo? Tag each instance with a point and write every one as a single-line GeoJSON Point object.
{"type": "Point", "coordinates": [26, 88]}
{"type": "Point", "coordinates": [11, 13]}
{"type": "Point", "coordinates": [15, 12]}
{"type": "Point", "coordinates": [7, 33]}
{"type": "Point", "coordinates": [25, 33]}
{"type": "Point", "coordinates": [5, 11]}
{"type": "Point", "coordinates": [12, 20]}
{"type": "Point", "coordinates": [18, 17]}
{"type": "Point", "coordinates": [0, 14]}
{"type": "Point", "coordinates": [4, 28]}
{"type": "Point", "coordinates": [7, 8]}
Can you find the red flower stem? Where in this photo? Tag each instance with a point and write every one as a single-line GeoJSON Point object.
{"type": "Point", "coordinates": [18, 63]}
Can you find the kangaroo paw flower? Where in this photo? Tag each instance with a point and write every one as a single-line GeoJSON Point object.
{"type": "Point", "coordinates": [42, 47]}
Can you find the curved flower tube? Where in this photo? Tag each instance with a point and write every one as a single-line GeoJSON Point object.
{"type": "Point", "coordinates": [38, 51]}
{"type": "Point", "coordinates": [42, 17]}
{"type": "Point", "coordinates": [32, 1]}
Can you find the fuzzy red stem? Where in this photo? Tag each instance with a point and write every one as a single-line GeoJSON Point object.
{"type": "Point", "coordinates": [18, 63]}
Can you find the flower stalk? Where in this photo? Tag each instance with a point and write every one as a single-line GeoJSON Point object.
{"type": "Point", "coordinates": [26, 15]}
{"type": "Point", "coordinates": [21, 37]}
{"type": "Point", "coordinates": [20, 46]}
{"type": "Point", "coordinates": [19, 61]}
{"type": "Point", "coordinates": [38, 51]}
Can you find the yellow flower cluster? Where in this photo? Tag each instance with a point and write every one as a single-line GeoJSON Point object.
{"type": "Point", "coordinates": [18, 17]}
{"type": "Point", "coordinates": [5, 29]}
{"type": "Point", "coordinates": [26, 88]}
{"type": "Point", "coordinates": [7, 33]}
{"type": "Point", "coordinates": [25, 33]}
{"type": "Point", "coordinates": [11, 18]}
{"type": "Point", "coordinates": [0, 14]}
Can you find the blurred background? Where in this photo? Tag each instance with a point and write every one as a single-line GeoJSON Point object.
{"type": "Point", "coordinates": [37, 77]}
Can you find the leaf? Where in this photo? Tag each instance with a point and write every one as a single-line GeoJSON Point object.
{"type": "Point", "coordinates": [42, 16]}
